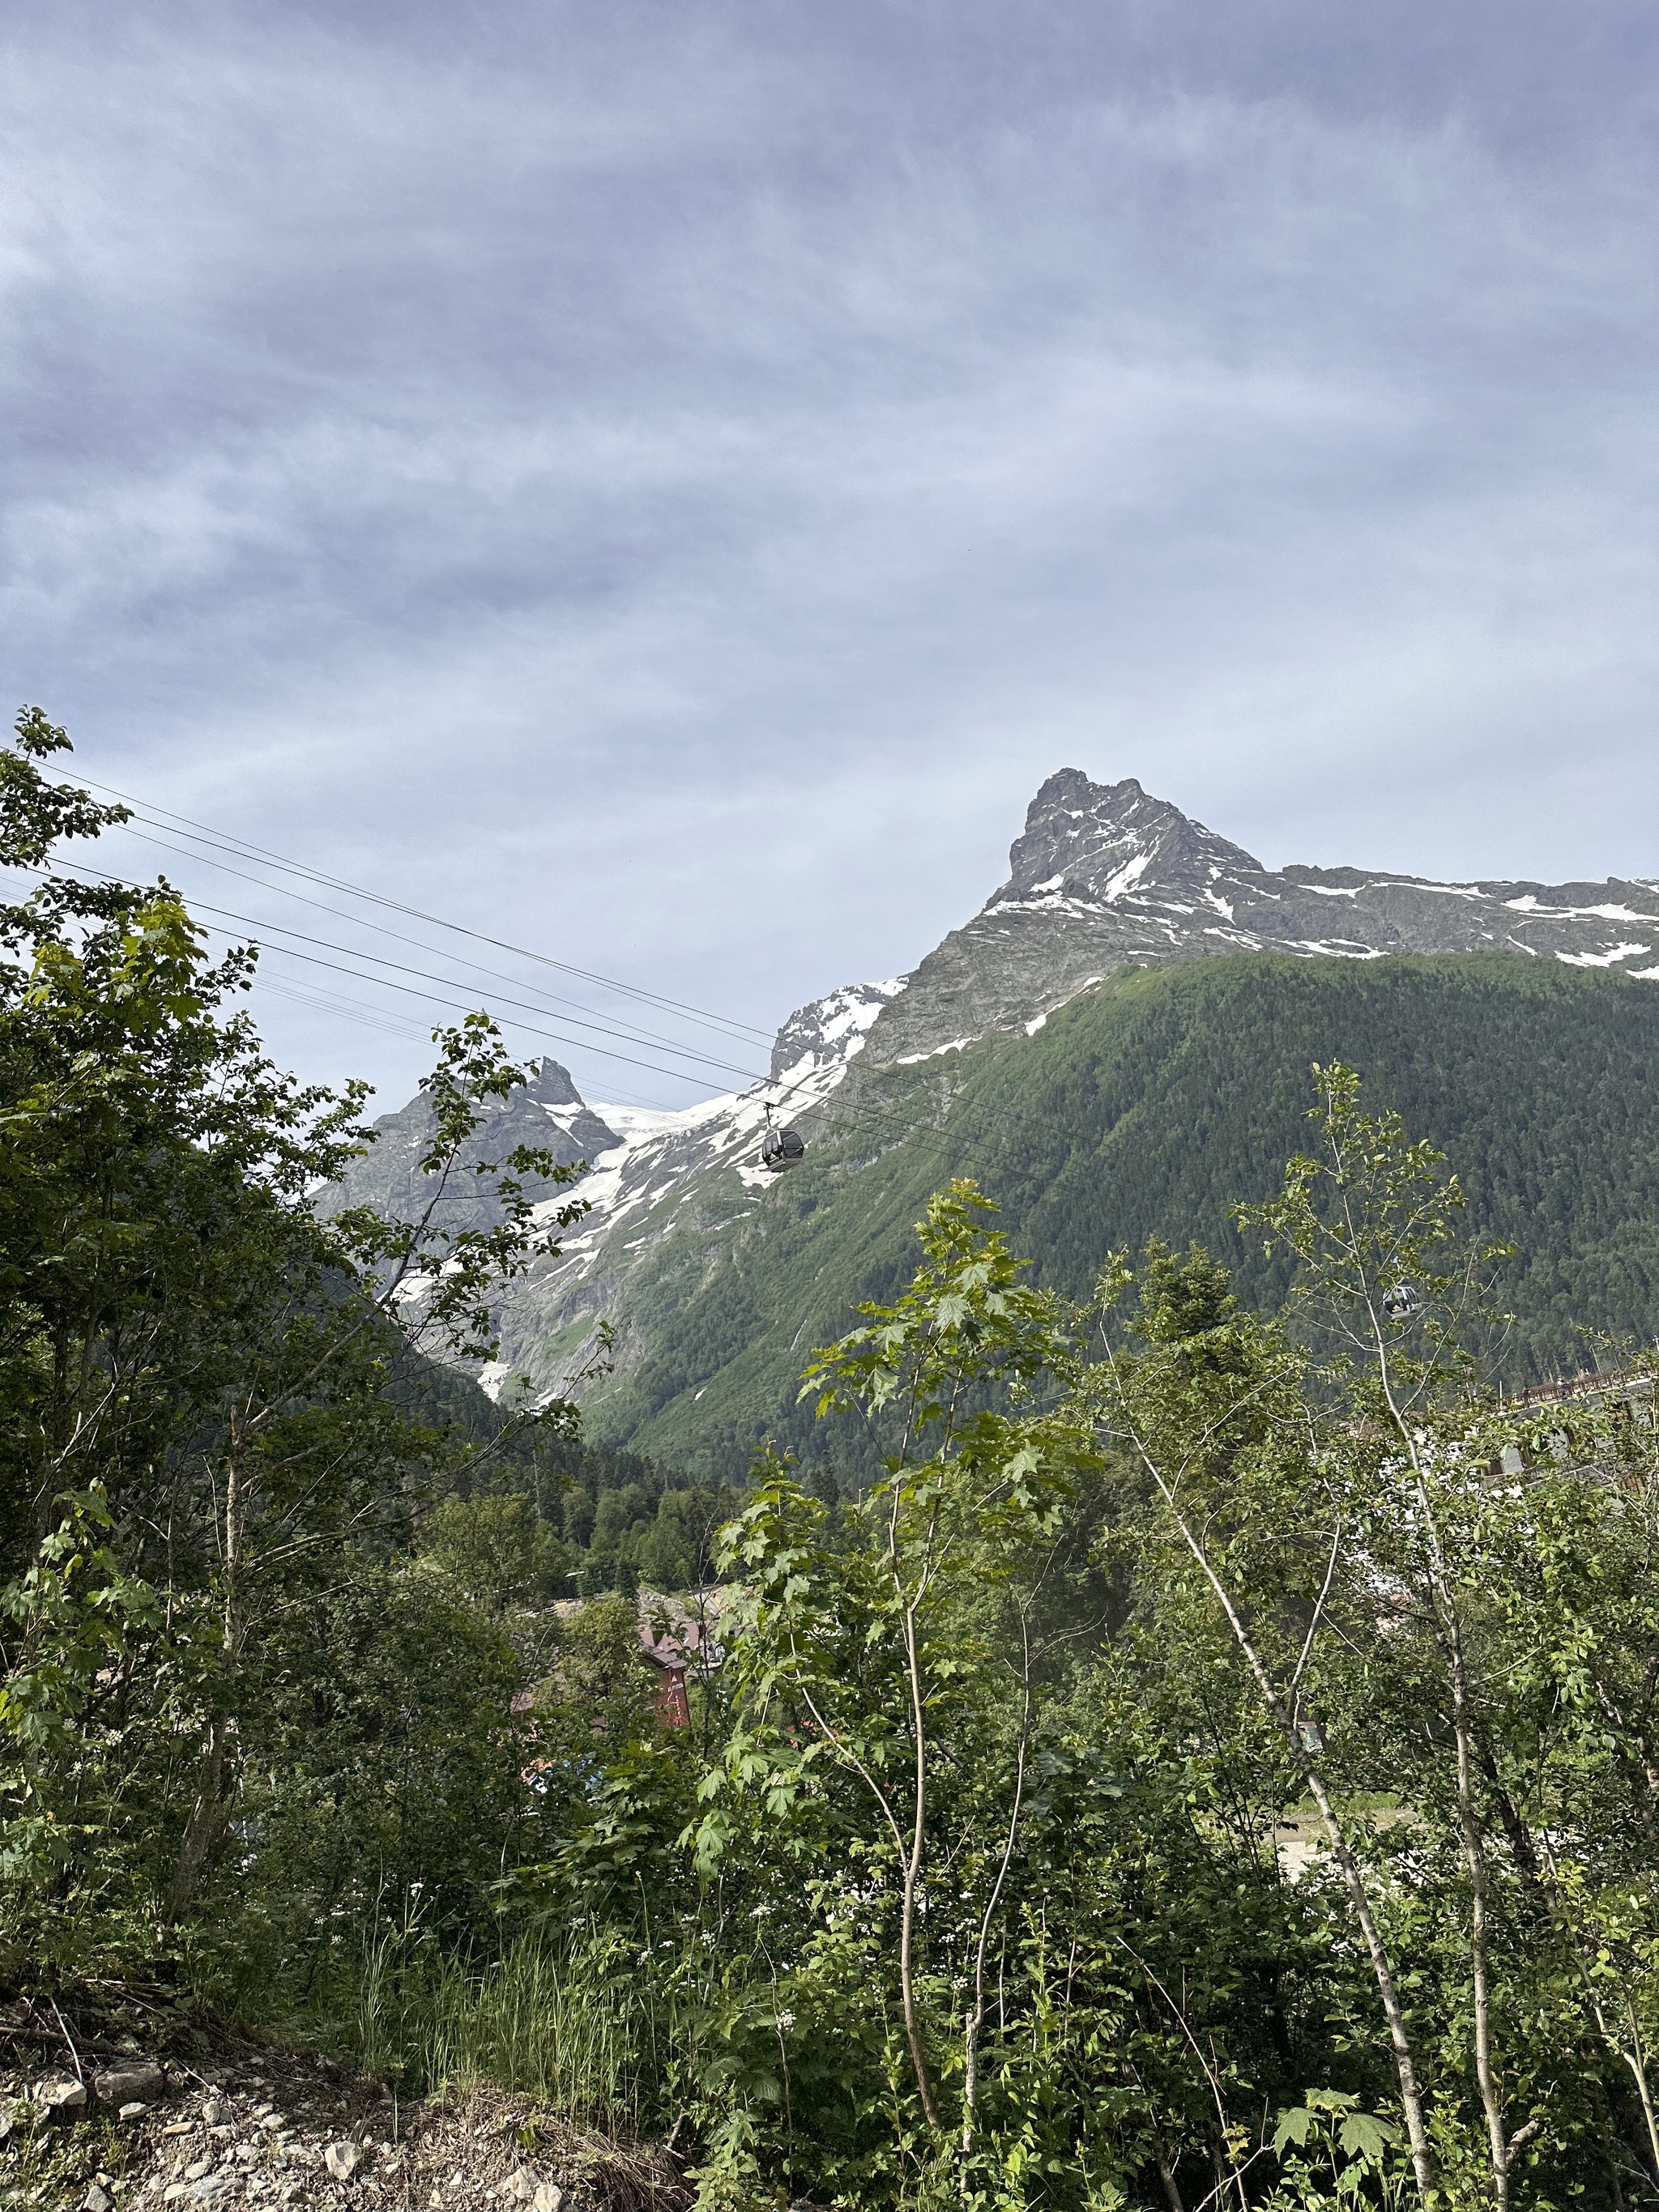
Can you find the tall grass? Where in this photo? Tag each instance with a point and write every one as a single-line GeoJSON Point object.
{"type": "Point", "coordinates": [569, 2020]}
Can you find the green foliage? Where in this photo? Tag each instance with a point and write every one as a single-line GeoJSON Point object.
{"type": "Point", "coordinates": [1394, 1606]}
{"type": "Point", "coordinates": [449, 1275]}
{"type": "Point", "coordinates": [1339, 2144]}
{"type": "Point", "coordinates": [564, 2023]}
{"type": "Point", "coordinates": [1140, 1112]}
{"type": "Point", "coordinates": [1007, 1877]}
{"type": "Point", "coordinates": [614, 1510]}
{"type": "Point", "coordinates": [197, 1444]}
{"type": "Point", "coordinates": [382, 1777]}
{"type": "Point", "coordinates": [497, 1551]}
{"type": "Point", "coordinates": [78, 1610]}
{"type": "Point", "coordinates": [962, 1884]}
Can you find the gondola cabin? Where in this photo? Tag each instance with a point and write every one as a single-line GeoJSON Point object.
{"type": "Point", "coordinates": [781, 1149]}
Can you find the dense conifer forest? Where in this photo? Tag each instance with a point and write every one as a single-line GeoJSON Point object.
{"type": "Point", "coordinates": [1188, 1740]}
{"type": "Point", "coordinates": [1145, 1109]}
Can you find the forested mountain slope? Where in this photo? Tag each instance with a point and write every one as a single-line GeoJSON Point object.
{"type": "Point", "coordinates": [1117, 1043]}
{"type": "Point", "coordinates": [1143, 1108]}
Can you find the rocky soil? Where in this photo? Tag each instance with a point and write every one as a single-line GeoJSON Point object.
{"type": "Point", "coordinates": [242, 2123]}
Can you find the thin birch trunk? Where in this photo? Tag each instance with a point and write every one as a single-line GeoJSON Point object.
{"type": "Point", "coordinates": [974, 2022]}
{"type": "Point", "coordinates": [203, 1820]}
{"type": "Point", "coordinates": [1449, 1634]}
{"type": "Point", "coordinates": [1475, 1861]}
{"type": "Point", "coordinates": [911, 1879]}
{"type": "Point", "coordinates": [1634, 2059]}
{"type": "Point", "coordinates": [1411, 2098]}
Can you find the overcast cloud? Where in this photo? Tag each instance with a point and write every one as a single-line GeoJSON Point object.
{"type": "Point", "coordinates": [664, 483]}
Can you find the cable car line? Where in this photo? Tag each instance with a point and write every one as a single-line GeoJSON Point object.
{"type": "Point", "coordinates": [456, 983]}
{"type": "Point", "coordinates": [400, 936]}
{"type": "Point", "coordinates": [227, 841]}
{"type": "Point", "coordinates": [385, 983]}
{"type": "Point", "coordinates": [348, 1009]}
{"type": "Point", "coordinates": [345, 1008]}
{"type": "Point", "coordinates": [242, 848]}
{"type": "Point", "coordinates": [779, 1156]}
{"type": "Point", "coordinates": [865, 1118]}
{"type": "Point", "coordinates": [202, 834]}
{"type": "Point", "coordinates": [451, 982]}
{"type": "Point", "coordinates": [462, 1005]}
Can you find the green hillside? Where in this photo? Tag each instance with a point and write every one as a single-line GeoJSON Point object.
{"type": "Point", "coordinates": [1142, 1109]}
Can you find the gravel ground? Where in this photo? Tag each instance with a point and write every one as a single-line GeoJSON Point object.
{"type": "Point", "coordinates": [246, 2123]}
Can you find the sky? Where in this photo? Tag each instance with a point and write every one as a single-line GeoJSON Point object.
{"type": "Point", "coordinates": [659, 485]}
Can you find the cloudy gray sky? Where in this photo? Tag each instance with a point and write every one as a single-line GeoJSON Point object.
{"type": "Point", "coordinates": [662, 483]}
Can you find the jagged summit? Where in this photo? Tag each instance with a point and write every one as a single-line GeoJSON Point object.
{"type": "Point", "coordinates": [549, 1113]}
{"type": "Point", "coordinates": [586, 1134]}
{"type": "Point", "coordinates": [1107, 876]}
{"type": "Point", "coordinates": [553, 1085]}
{"type": "Point", "coordinates": [1101, 839]}
{"type": "Point", "coordinates": [827, 1032]}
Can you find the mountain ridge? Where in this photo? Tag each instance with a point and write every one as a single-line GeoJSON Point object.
{"type": "Point", "coordinates": [1103, 879]}
{"type": "Point", "coordinates": [1106, 875]}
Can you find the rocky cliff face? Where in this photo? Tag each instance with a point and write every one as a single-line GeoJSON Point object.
{"type": "Point", "coordinates": [549, 1113]}
{"type": "Point", "coordinates": [1105, 876]}
{"type": "Point", "coordinates": [826, 1034]}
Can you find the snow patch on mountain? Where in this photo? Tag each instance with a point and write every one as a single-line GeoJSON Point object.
{"type": "Point", "coordinates": [823, 1036]}
{"type": "Point", "coordinates": [1125, 878]}
{"type": "Point", "coordinates": [1607, 959]}
{"type": "Point", "coordinates": [1530, 903]}
{"type": "Point", "coordinates": [1038, 1020]}
{"type": "Point", "coordinates": [955, 1044]}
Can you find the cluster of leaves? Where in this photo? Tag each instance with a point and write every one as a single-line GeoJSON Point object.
{"type": "Point", "coordinates": [206, 1487]}
{"type": "Point", "coordinates": [624, 1521]}
{"type": "Point", "coordinates": [988, 1794]}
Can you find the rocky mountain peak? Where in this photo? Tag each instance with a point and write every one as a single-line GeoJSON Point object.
{"type": "Point", "coordinates": [1106, 875]}
{"type": "Point", "coordinates": [552, 1084]}
{"type": "Point", "coordinates": [827, 1032]}
{"type": "Point", "coordinates": [548, 1114]}
{"type": "Point", "coordinates": [1103, 840]}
